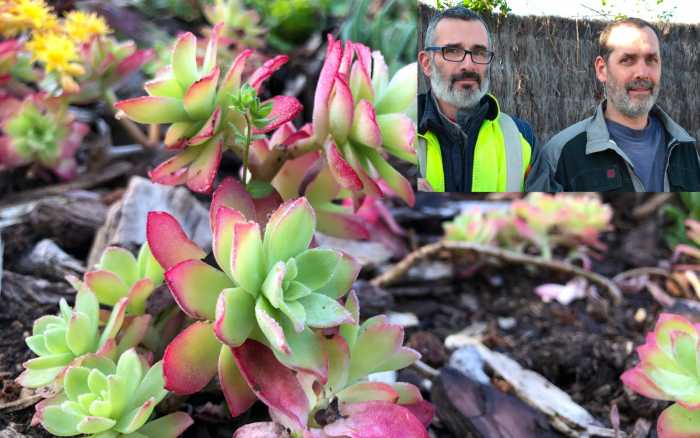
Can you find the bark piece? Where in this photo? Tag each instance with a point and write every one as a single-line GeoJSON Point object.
{"type": "Point", "coordinates": [49, 261]}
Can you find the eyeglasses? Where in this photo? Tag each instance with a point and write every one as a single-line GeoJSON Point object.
{"type": "Point", "coordinates": [456, 54]}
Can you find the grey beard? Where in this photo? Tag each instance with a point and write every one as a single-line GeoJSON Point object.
{"type": "Point", "coordinates": [619, 97]}
{"type": "Point", "coordinates": [461, 98]}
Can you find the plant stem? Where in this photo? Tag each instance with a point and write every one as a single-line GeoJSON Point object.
{"type": "Point", "coordinates": [246, 148]}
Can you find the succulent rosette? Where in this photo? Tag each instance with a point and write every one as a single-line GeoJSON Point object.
{"type": "Point", "coordinates": [39, 130]}
{"type": "Point", "coordinates": [60, 339]}
{"type": "Point", "coordinates": [241, 25]}
{"type": "Point", "coordinates": [107, 63]}
{"type": "Point", "coordinates": [669, 370]}
{"type": "Point", "coordinates": [472, 226]}
{"type": "Point", "coordinates": [346, 405]}
{"type": "Point", "coordinates": [119, 274]}
{"type": "Point", "coordinates": [108, 400]}
{"type": "Point", "coordinates": [189, 96]}
{"type": "Point", "coordinates": [271, 287]}
{"type": "Point", "coordinates": [360, 116]}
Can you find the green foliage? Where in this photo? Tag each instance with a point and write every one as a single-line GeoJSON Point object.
{"type": "Point", "coordinates": [188, 10]}
{"type": "Point", "coordinates": [35, 135]}
{"type": "Point", "coordinates": [391, 30]}
{"type": "Point", "coordinates": [291, 22]}
{"type": "Point", "coordinates": [611, 9]}
{"type": "Point", "coordinates": [675, 233]}
{"type": "Point", "coordinates": [481, 6]}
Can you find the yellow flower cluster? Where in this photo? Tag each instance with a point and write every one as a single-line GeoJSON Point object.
{"type": "Point", "coordinates": [53, 42]}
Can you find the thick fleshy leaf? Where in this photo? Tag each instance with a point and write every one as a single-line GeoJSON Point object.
{"type": "Point", "coordinates": [232, 80]}
{"type": "Point", "coordinates": [422, 410]}
{"type": "Point", "coordinates": [168, 241]}
{"type": "Point", "coordinates": [341, 224]}
{"type": "Point", "coordinates": [196, 286]}
{"type": "Point", "coordinates": [134, 332]}
{"type": "Point", "coordinates": [398, 183]}
{"type": "Point", "coordinates": [208, 129]}
{"type": "Point", "coordinates": [376, 419]}
{"type": "Point", "coordinates": [272, 382]}
{"type": "Point", "coordinates": [668, 323]}
{"type": "Point", "coordinates": [268, 321]}
{"type": "Point", "coordinates": [212, 48]}
{"type": "Point", "coordinates": [360, 165]}
{"type": "Point", "coordinates": [108, 287]}
{"type": "Point", "coordinates": [178, 133]}
{"type": "Point", "coordinates": [345, 273]}
{"type": "Point", "coordinates": [316, 267]}
{"type": "Point", "coordinates": [296, 313]}
{"type": "Point", "coordinates": [231, 193]}
{"type": "Point", "coordinates": [151, 387]}
{"type": "Point", "coordinates": [636, 380]}
{"type": "Point", "coordinates": [360, 83]}
{"type": "Point", "coordinates": [75, 382]}
{"type": "Point", "coordinates": [685, 349]}
{"type": "Point", "coordinates": [120, 262]}
{"type": "Point", "coordinates": [114, 323]}
{"type": "Point", "coordinates": [374, 345]}
{"type": "Point", "coordinates": [133, 420]}
{"type": "Point", "coordinates": [247, 261]}
{"type": "Point", "coordinates": [189, 362]}
{"type": "Point", "coordinates": [343, 172]}
{"type": "Point", "coordinates": [60, 422]}
{"type": "Point", "coordinates": [235, 316]}
{"type": "Point", "coordinates": [365, 129]}
{"type": "Point", "coordinates": [326, 80]}
{"type": "Point", "coordinates": [164, 87]}
{"type": "Point", "coordinates": [95, 425]}
{"type": "Point", "coordinates": [173, 171]}
{"type": "Point", "coordinates": [170, 426]}
{"type": "Point", "coordinates": [284, 109]}
{"type": "Point", "coordinates": [199, 97]}
{"type": "Point", "coordinates": [202, 171]}
{"type": "Point", "coordinates": [184, 60]}
{"type": "Point", "coordinates": [267, 429]}
{"type": "Point", "coordinates": [401, 91]}
{"type": "Point", "coordinates": [368, 391]}
{"type": "Point", "coordinates": [53, 360]}
{"type": "Point", "coordinates": [266, 70]}
{"type": "Point", "coordinates": [402, 358]}
{"type": "Point", "coordinates": [398, 135]}
{"type": "Point", "coordinates": [678, 422]}
{"type": "Point", "coordinates": [338, 355]}
{"type": "Point", "coordinates": [306, 350]}
{"type": "Point", "coordinates": [324, 312]}
{"type": "Point", "coordinates": [272, 287]}
{"type": "Point", "coordinates": [222, 236]}
{"type": "Point", "coordinates": [138, 295]}
{"type": "Point", "coordinates": [380, 72]}
{"type": "Point", "coordinates": [153, 109]}
{"type": "Point", "coordinates": [350, 331]}
{"type": "Point", "coordinates": [239, 396]}
{"type": "Point", "coordinates": [37, 345]}
{"type": "Point", "coordinates": [341, 109]}
{"type": "Point", "coordinates": [40, 377]}
{"type": "Point", "coordinates": [79, 338]}
{"type": "Point", "coordinates": [289, 231]}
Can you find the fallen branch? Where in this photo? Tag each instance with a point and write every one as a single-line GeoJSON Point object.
{"type": "Point", "coordinates": [395, 272]}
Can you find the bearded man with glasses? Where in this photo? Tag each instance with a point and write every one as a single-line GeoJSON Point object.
{"type": "Point", "coordinates": [466, 144]}
{"type": "Point", "coordinates": [629, 144]}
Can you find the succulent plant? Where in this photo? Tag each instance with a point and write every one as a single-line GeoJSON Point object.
{"type": "Point", "coordinates": [346, 404]}
{"type": "Point", "coordinates": [119, 274]}
{"type": "Point", "coordinates": [240, 25]}
{"type": "Point", "coordinates": [40, 130]}
{"type": "Point", "coordinates": [271, 287]}
{"type": "Point", "coordinates": [59, 340]}
{"type": "Point", "coordinates": [472, 226]}
{"type": "Point", "coordinates": [360, 115]}
{"type": "Point", "coordinates": [668, 370]}
{"type": "Point", "coordinates": [105, 400]}
{"type": "Point", "coordinates": [190, 97]}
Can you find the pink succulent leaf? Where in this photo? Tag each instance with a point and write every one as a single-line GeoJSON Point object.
{"type": "Point", "coordinates": [359, 162]}
{"type": "Point", "coordinates": [231, 193]}
{"type": "Point", "coordinates": [199, 97]}
{"type": "Point", "coordinates": [272, 382]}
{"type": "Point", "coordinates": [266, 70]}
{"type": "Point", "coordinates": [289, 231]}
{"type": "Point", "coordinates": [208, 129]}
{"type": "Point", "coordinates": [398, 134]}
{"type": "Point", "coordinates": [564, 294]}
{"type": "Point", "coordinates": [264, 207]}
{"type": "Point", "coordinates": [289, 179]}
{"type": "Point", "coordinates": [282, 133]}
{"type": "Point", "coordinates": [168, 242]}
{"type": "Point", "coordinates": [380, 72]}
{"type": "Point", "coordinates": [247, 261]}
{"type": "Point", "coordinates": [341, 110]}
{"type": "Point", "coordinates": [678, 422]}
{"type": "Point", "coordinates": [365, 129]}
{"type": "Point", "coordinates": [422, 410]}
{"type": "Point", "coordinates": [360, 81]}
{"type": "Point", "coordinates": [184, 60]}
{"type": "Point", "coordinates": [343, 172]}
{"type": "Point", "coordinates": [222, 236]}
{"type": "Point", "coordinates": [174, 170]}
{"type": "Point", "coordinates": [209, 62]}
{"type": "Point", "coordinates": [196, 286]}
{"type": "Point", "coordinates": [134, 62]}
{"type": "Point", "coordinates": [235, 316]}
{"type": "Point", "coordinates": [164, 87]}
{"type": "Point", "coordinates": [107, 286]}
{"type": "Point", "coordinates": [325, 84]}
{"type": "Point", "coordinates": [376, 419]}
{"type": "Point", "coordinates": [232, 80]}
{"type": "Point", "coordinates": [636, 380]}
{"type": "Point", "coordinates": [134, 333]}
{"type": "Point", "coordinates": [400, 94]}
{"type": "Point", "coordinates": [169, 426]}
{"type": "Point", "coordinates": [368, 391]}
{"type": "Point", "coordinates": [408, 393]}
{"type": "Point", "coordinates": [152, 109]}
{"type": "Point", "coordinates": [346, 61]}
{"type": "Point", "coordinates": [284, 109]}
{"type": "Point", "coordinates": [341, 224]}
{"type": "Point", "coordinates": [202, 171]}
{"type": "Point", "coordinates": [190, 360]}
{"type": "Point", "coordinates": [267, 429]}
{"type": "Point", "coordinates": [239, 396]}
{"type": "Point", "coordinates": [398, 183]}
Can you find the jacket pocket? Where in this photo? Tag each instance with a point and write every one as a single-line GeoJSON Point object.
{"type": "Point", "coordinates": [684, 178]}
{"type": "Point", "coordinates": [600, 179]}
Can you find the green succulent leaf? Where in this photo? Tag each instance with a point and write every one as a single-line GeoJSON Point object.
{"type": "Point", "coordinates": [324, 312]}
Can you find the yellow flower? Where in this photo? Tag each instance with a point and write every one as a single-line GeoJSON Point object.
{"type": "Point", "coordinates": [57, 52]}
{"type": "Point", "coordinates": [20, 15]}
{"type": "Point", "coordinates": [82, 26]}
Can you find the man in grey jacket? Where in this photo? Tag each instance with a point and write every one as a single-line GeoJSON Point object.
{"type": "Point", "coordinates": [629, 144]}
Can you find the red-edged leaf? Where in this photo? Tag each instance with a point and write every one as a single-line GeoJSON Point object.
{"type": "Point", "coordinates": [201, 173]}
{"type": "Point", "coordinates": [174, 170]}
{"type": "Point", "coordinates": [324, 87]}
{"type": "Point", "coordinates": [168, 242]}
{"type": "Point", "coordinates": [196, 286]}
{"type": "Point", "coordinates": [208, 129]}
{"type": "Point", "coordinates": [266, 70]}
{"type": "Point", "coordinates": [232, 80]}
{"type": "Point", "coordinates": [365, 129]}
{"type": "Point", "coordinates": [199, 97]}
{"type": "Point", "coordinates": [341, 109]}
{"type": "Point", "coordinates": [238, 394]}
{"type": "Point", "coordinates": [231, 193]}
{"type": "Point", "coordinates": [341, 169]}
{"type": "Point", "coordinates": [284, 109]}
{"type": "Point", "coordinates": [190, 360]}
{"type": "Point", "coordinates": [376, 419]}
{"type": "Point", "coordinates": [153, 109]}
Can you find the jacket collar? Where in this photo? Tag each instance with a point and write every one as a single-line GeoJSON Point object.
{"type": "Point", "coordinates": [431, 114]}
{"type": "Point", "coordinates": [599, 137]}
